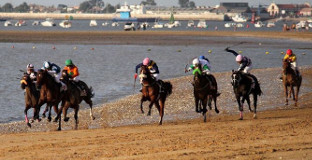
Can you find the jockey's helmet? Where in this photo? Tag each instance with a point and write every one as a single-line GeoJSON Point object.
{"type": "Point", "coordinates": [69, 62]}
{"type": "Point", "coordinates": [201, 57]}
{"type": "Point", "coordinates": [289, 52]}
{"type": "Point", "coordinates": [195, 62]}
{"type": "Point", "coordinates": [46, 64]}
{"type": "Point", "coordinates": [146, 61]}
{"type": "Point", "coordinates": [30, 66]}
{"type": "Point", "coordinates": [239, 58]}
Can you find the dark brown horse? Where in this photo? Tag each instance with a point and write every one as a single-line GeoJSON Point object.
{"type": "Point", "coordinates": [244, 85]}
{"type": "Point", "coordinates": [290, 79]}
{"type": "Point", "coordinates": [31, 97]}
{"type": "Point", "coordinates": [72, 98]}
{"type": "Point", "coordinates": [50, 91]}
{"type": "Point", "coordinates": [205, 90]}
{"type": "Point", "coordinates": [153, 91]}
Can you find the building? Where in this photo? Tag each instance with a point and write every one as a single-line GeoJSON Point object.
{"type": "Point", "coordinates": [286, 9]}
{"type": "Point", "coordinates": [306, 12]}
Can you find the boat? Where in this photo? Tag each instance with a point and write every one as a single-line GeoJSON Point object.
{"type": "Point", "coordinates": [270, 24]}
{"type": "Point", "coordinates": [301, 24]}
{"type": "Point", "coordinates": [239, 18]}
{"type": "Point", "coordinates": [20, 23]}
{"type": "Point", "coordinates": [36, 23]}
{"type": "Point", "coordinates": [239, 25]}
{"type": "Point", "coordinates": [190, 23]}
{"type": "Point", "coordinates": [170, 24]}
{"type": "Point", "coordinates": [115, 24]}
{"type": "Point", "coordinates": [65, 24]}
{"type": "Point", "coordinates": [105, 24]}
{"type": "Point", "coordinates": [228, 25]}
{"type": "Point", "coordinates": [259, 24]}
{"type": "Point", "coordinates": [7, 23]}
{"type": "Point", "coordinates": [310, 25]}
{"type": "Point", "coordinates": [93, 23]}
{"type": "Point", "coordinates": [129, 26]}
{"type": "Point", "coordinates": [202, 24]}
{"type": "Point", "coordinates": [49, 22]}
{"type": "Point", "coordinates": [158, 25]}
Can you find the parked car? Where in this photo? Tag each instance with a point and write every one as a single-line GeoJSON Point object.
{"type": "Point", "coordinates": [129, 26]}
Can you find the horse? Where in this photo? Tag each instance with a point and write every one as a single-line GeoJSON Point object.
{"type": "Point", "coordinates": [290, 79]}
{"type": "Point", "coordinates": [205, 90]}
{"type": "Point", "coordinates": [72, 98]}
{"type": "Point", "coordinates": [154, 92]}
{"type": "Point", "coordinates": [31, 98]}
{"type": "Point", "coordinates": [50, 92]}
{"type": "Point", "coordinates": [244, 85]}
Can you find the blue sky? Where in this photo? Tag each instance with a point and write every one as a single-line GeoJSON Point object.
{"type": "Point", "coordinates": [159, 2]}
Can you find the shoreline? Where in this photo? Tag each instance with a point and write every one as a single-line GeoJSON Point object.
{"type": "Point", "coordinates": [141, 37]}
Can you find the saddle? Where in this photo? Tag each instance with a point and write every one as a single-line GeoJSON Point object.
{"type": "Point", "coordinates": [81, 88]}
{"type": "Point", "coordinates": [253, 79]}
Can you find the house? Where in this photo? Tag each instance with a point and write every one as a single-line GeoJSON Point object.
{"type": "Point", "coordinates": [286, 9]}
{"type": "Point", "coordinates": [305, 12]}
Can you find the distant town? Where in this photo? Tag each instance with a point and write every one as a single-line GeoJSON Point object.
{"type": "Point", "coordinates": [149, 9]}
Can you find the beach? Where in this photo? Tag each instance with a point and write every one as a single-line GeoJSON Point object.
{"type": "Point", "coordinates": [120, 131]}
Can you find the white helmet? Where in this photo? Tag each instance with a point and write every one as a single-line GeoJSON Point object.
{"type": "Point", "coordinates": [30, 66]}
{"type": "Point", "coordinates": [195, 61]}
{"type": "Point", "coordinates": [239, 58]}
{"type": "Point", "coordinates": [46, 64]}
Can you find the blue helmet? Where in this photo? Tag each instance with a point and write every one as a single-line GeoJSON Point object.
{"type": "Point", "coordinates": [201, 57]}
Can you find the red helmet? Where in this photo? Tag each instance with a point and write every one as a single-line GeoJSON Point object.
{"type": "Point", "coordinates": [289, 52]}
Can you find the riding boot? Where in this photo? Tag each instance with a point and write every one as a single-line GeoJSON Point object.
{"type": "Point", "coordinates": [81, 87]}
{"type": "Point", "coordinates": [161, 86]}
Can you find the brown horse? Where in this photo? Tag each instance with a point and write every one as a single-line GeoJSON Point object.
{"type": "Point", "coordinates": [153, 91]}
{"type": "Point", "coordinates": [290, 79]}
{"type": "Point", "coordinates": [31, 97]}
{"type": "Point", "coordinates": [50, 91]}
{"type": "Point", "coordinates": [205, 90]}
{"type": "Point", "coordinates": [72, 98]}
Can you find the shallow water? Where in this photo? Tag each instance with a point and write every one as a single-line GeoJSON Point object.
{"type": "Point", "coordinates": [83, 25]}
{"type": "Point", "coordinates": [109, 69]}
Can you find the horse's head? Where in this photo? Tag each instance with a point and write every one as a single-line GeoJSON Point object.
{"type": "Point", "coordinates": [25, 81]}
{"type": "Point", "coordinates": [145, 73]}
{"type": "Point", "coordinates": [65, 76]}
{"type": "Point", "coordinates": [41, 76]}
{"type": "Point", "coordinates": [286, 65]}
{"type": "Point", "coordinates": [236, 78]}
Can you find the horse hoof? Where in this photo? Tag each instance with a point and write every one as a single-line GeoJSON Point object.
{"type": "Point", "coordinates": [59, 129]}
{"type": "Point", "coordinates": [241, 118]}
{"type": "Point", "coordinates": [255, 116]}
{"type": "Point", "coordinates": [66, 119]}
{"type": "Point", "coordinates": [286, 104]}
{"type": "Point", "coordinates": [38, 120]}
{"type": "Point", "coordinates": [29, 125]}
{"type": "Point", "coordinates": [92, 118]}
{"type": "Point", "coordinates": [55, 120]}
{"type": "Point", "coordinates": [49, 119]}
{"type": "Point", "coordinates": [217, 111]}
{"type": "Point", "coordinates": [32, 121]}
{"type": "Point", "coordinates": [43, 116]}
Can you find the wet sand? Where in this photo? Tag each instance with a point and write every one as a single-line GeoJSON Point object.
{"type": "Point", "coordinates": [284, 132]}
{"type": "Point", "coordinates": [139, 37]}
{"type": "Point", "coordinates": [120, 131]}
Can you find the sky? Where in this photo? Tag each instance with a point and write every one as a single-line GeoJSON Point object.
{"type": "Point", "coordinates": [159, 2]}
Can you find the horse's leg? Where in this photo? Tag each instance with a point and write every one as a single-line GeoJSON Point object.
{"type": "Point", "coordinates": [286, 94]}
{"type": "Point", "coordinates": [67, 105]}
{"type": "Point", "coordinates": [76, 116]}
{"type": "Point", "coordinates": [49, 117]}
{"type": "Point", "coordinates": [204, 104]}
{"type": "Point", "coordinates": [296, 95]}
{"type": "Point", "coordinates": [59, 112]}
{"type": "Point", "coordinates": [240, 108]}
{"type": "Point", "coordinates": [209, 101]}
{"type": "Point", "coordinates": [161, 107]}
{"type": "Point", "coordinates": [293, 93]}
{"type": "Point", "coordinates": [89, 101]}
{"type": "Point", "coordinates": [196, 104]}
{"type": "Point", "coordinates": [150, 107]}
{"type": "Point", "coordinates": [255, 98]}
{"type": "Point", "coordinates": [141, 106]}
{"type": "Point", "coordinates": [248, 102]}
{"type": "Point", "coordinates": [215, 103]}
{"type": "Point", "coordinates": [26, 118]}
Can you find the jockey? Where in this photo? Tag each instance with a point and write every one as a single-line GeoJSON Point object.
{"type": "Point", "coordinates": [151, 65]}
{"type": "Point", "coordinates": [31, 72]}
{"type": "Point", "coordinates": [72, 71]}
{"type": "Point", "coordinates": [153, 68]}
{"type": "Point", "coordinates": [244, 62]}
{"type": "Point", "coordinates": [201, 62]}
{"type": "Point", "coordinates": [55, 71]}
{"type": "Point", "coordinates": [291, 57]}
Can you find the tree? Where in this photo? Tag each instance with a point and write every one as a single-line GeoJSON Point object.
{"type": "Point", "coordinates": [8, 7]}
{"type": "Point", "coordinates": [109, 9]}
{"type": "Point", "coordinates": [23, 8]}
{"type": "Point", "coordinates": [186, 4]}
{"type": "Point", "coordinates": [192, 4]}
{"type": "Point", "coordinates": [149, 2]}
{"type": "Point", "coordinates": [88, 5]}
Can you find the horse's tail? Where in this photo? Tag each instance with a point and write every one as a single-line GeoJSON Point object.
{"type": "Point", "coordinates": [168, 88]}
{"type": "Point", "coordinates": [91, 92]}
{"type": "Point", "coordinates": [258, 89]}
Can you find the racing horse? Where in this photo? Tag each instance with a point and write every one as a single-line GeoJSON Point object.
{"type": "Point", "coordinates": [50, 91]}
{"type": "Point", "coordinates": [154, 92]}
{"type": "Point", "coordinates": [290, 79]}
{"type": "Point", "coordinates": [205, 90]}
{"type": "Point", "coordinates": [31, 97]}
{"type": "Point", "coordinates": [72, 98]}
{"type": "Point", "coordinates": [244, 85]}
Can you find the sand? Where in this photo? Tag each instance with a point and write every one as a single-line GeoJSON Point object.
{"type": "Point", "coordinates": [282, 132]}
